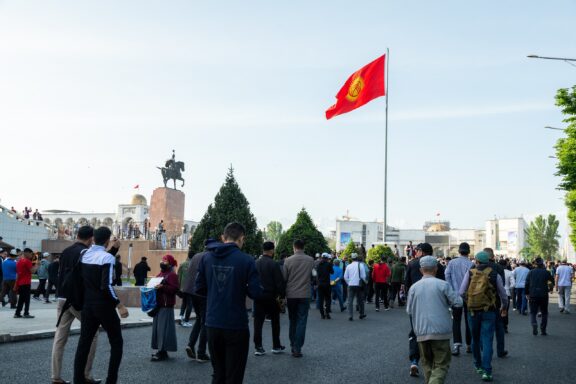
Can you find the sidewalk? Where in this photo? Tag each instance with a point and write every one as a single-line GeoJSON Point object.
{"type": "Point", "coordinates": [44, 323]}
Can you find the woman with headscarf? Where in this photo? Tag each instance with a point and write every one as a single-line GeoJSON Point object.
{"type": "Point", "coordinates": [163, 326]}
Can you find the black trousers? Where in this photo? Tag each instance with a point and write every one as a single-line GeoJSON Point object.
{"type": "Point", "coordinates": [23, 299]}
{"type": "Point", "coordinates": [369, 290]}
{"type": "Point", "coordinates": [51, 285]}
{"type": "Point", "coordinates": [94, 316]}
{"type": "Point", "coordinates": [539, 304]}
{"type": "Point", "coordinates": [262, 308]}
{"type": "Point", "coordinates": [228, 354]}
{"type": "Point", "coordinates": [381, 290]}
{"type": "Point", "coordinates": [325, 295]}
{"type": "Point", "coordinates": [457, 313]}
{"type": "Point", "coordinates": [414, 351]}
{"type": "Point", "coordinates": [199, 329]}
{"type": "Point", "coordinates": [186, 308]}
{"type": "Point", "coordinates": [41, 290]}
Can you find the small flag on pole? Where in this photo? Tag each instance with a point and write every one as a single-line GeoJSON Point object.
{"type": "Point", "coordinates": [137, 186]}
{"type": "Point", "coordinates": [361, 87]}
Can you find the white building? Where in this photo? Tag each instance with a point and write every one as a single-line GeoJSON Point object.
{"type": "Point", "coordinates": [506, 236]}
{"type": "Point", "coordinates": [21, 233]}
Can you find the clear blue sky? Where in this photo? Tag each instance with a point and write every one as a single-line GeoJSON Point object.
{"type": "Point", "coordinates": [95, 95]}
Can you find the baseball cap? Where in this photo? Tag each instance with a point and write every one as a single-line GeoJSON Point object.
{"type": "Point", "coordinates": [482, 257]}
{"type": "Point", "coordinates": [353, 256]}
{"type": "Point", "coordinates": [428, 262]}
{"type": "Point", "coordinates": [13, 252]}
{"type": "Point", "coordinates": [325, 255]}
{"type": "Point", "coordinates": [46, 254]}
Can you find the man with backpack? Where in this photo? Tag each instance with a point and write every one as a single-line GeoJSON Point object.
{"type": "Point", "coordinates": [479, 288]}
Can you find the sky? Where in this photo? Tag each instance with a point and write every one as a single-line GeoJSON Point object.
{"type": "Point", "coordinates": [95, 95]}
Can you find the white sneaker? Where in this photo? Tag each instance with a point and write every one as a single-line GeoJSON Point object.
{"type": "Point", "coordinates": [186, 324]}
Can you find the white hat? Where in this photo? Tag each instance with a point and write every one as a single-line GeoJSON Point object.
{"type": "Point", "coordinates": [46, 254]}
{"type": "Point", "coordinates": [354, 255]}
{"type": "Point", "coordinates": [13, 252]}
{"type": "Point", "coordinates": [326, 256]}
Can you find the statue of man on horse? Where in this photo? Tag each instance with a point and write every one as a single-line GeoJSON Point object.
{"type": "Point", "coordinates": [172, 170]}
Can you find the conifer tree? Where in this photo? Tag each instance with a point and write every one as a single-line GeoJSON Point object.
{"type": "Point", "coordinates": [230, 205]}
{"type": "Point", "coordinates": [305, 230]}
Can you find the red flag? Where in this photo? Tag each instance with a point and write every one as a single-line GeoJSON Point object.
{"type": "Point", "coordinates": [137, 186]}
{"type": "Point", "coordinates": [361, 87]}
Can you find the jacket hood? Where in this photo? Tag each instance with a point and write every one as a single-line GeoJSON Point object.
{"type": "Point", "coordinates": [222, 250]}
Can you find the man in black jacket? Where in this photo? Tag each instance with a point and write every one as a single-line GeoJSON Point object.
{"type": "Point", "coordinates": [273, 287]}
{"type": "Point", "coordinates": [500, 328]}
{"type": "Point", "coordinates": [537, 295]}
{"type": "Point", "coordinates": [141, 272]}
{"type": "Point", "coordinates": [324, 270]}
{"type": "Point", "coordinates": [413, 275]}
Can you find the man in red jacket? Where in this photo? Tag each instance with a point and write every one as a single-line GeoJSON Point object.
{"type": "Point", "coordinates": [24, 269]}
{"type": "Point", "coordinates": [380, 276]}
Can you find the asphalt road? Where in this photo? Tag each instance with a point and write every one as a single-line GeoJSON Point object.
{"type": "Point", "coordinates": [336, 351]}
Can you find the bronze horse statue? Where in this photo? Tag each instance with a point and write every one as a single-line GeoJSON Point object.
{"type": "Point", "coordinates": [173, 170]}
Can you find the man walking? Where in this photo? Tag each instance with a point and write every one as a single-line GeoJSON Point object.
{"type": "Point", "coordinates": [380, 275]}
{"type": "Point", "coordinates": [336, 282]}
{"type": "Point", "coordinates": [99, 309]}
{"type": "Point", "coordinates": [356, 277]}
{"type": "Point", "coordinates": [227, 275]}
{"type": "Point", "coordinates": [537, 295]}
{"type": "Point", "coordinates": [42, 276]}
{"type": "Point", "coordinates": [24, 271]}
{"type": "Point", "coordinates": [428, 305]}
{"type": "Point", "coordinates": [398, 274]}
{"type": "Point", "coordinates": [141, 272]}
{"type": "Point", "coordinates": [267, 305]}
{"type": "Point", "coordinates": [413, 275]}
{"type": "Point", "coordinates": [455, 272]}
{"type": "Point", "coordinates": [480, 287]}
{"type": "Point", "coordinates": [520, 274]}
{"type": "Point", "coordinates": [500, 328]}
{"type": "Point", "coordinates": [198, 332]}
{"type": "Point", "coordinates": [297, 273]}
{"type": "Point", "coordinates": [563, 280]}
{"type": "Point", "coordinates": [324, 270]}
{"type": "Point", "coordinates": [186, 307]}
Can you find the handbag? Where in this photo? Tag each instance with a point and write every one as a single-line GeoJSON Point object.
{"type": "Point", "coordinates": [148, 301]}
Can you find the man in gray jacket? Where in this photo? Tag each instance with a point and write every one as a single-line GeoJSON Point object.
{"type": "Point", "coordinates": [297, 273]}
{"type": "Point", "coordinates": [428, 303]}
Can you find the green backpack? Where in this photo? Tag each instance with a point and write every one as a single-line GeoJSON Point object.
{"type": "Point", "coordinates": [481, 293]}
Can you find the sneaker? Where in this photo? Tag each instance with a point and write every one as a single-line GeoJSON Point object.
{"type": "Point", "coordinates": [297, 354]}
{"type": "Point", "coordinates": [350, 319]}
{"type": "Point", "coordinates": [487, 377]}
{"type": "Point", "coordinates": [279, 349]}
{"type": "Point", "coordinates": [561, 310]}
{"type": "Point", "coordinates": [456, 350]}
{"type": "Point", "coordinates": [259, 351]}
{"type": "Point", "coordinates": [543, 332]}
{"type": "Point", "coordinates": [387, 308]}
{"type": "Point", "coordinates": [503, 354]}
{"type": "Point", "coordinates": [202, 358]}
{"type": "Point", "coordinates": [479, 371]}
{"type": "Point", "coordinates": [186, 324]}
{"type": "Point", "coordinates": [362, 317]}
{"type": "Point", "coordinates": [414, 371]}
{"type": "Point", "coordinates": [535, 330]}
{"type": "Point", "coordinates": [343, 309]}
{"type": "Point", "coordinates": [17, 316]}
{"type": "Point", "coordinates": [36, 298]}
{"type": "Point", "coordinates": [47, 302]}
{"type": "Point", "coordinates": [377, 309]}
{"type": "Point", "coordinates": [328, 316]}
{"type": "Point", "coordinates": [29, 316]}
{"type": "Point", "coordinates": [190, 352]}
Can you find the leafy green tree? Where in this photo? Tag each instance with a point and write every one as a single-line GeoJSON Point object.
{"type": "Point", "coordinates": [305, 230]}
{"type": "Point", "coordinates": [230, 205]}
{"type": "Point", "coordinates": [542, 238]}
{"type": "Point", "coordinates": [566, 154]}
{"type": "Point", "coordinates": [375, 254]}
{"type": "Point", "coordinates": [350, 249]}
{"type": "Point", "coordinates": [273, 231]}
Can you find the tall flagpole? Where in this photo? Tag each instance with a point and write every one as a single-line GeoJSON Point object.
{"type": "Point", "coordinates": [386, 88]}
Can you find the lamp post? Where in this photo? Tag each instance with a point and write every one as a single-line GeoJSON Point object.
{"type": "Point", "coordinates": [554, 128]}
{"type": "Point", "coordinates": [564, 59]}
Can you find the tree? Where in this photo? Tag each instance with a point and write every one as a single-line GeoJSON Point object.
{"type": "Point", "coordinates": [542, 238]}
{"type": "Point", "coordinates": [305, 230]}
{"type": "Point", "coordinates": [230, 205]}
{"type": "Point", "coordinates": [273, 231]}
{"type": "Point", "coordinates": [375, 254]}
{"type": "Point", "coordinates": [566, 154]}
{"type": "Point", "coordinates": [350, 249]}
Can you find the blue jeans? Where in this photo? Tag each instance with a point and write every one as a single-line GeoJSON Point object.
{"type": "Point", "coordinates": [482, 326]}
{"type": "Point", "coordinates": [298, 315]}
{"type": "Point", "coordinates": [337, 293]}
{"type": "Point", "coordinates": [521, 302]}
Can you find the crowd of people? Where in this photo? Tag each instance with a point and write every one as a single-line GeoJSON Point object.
{"type": "Point", "coordinates": [437, 293]}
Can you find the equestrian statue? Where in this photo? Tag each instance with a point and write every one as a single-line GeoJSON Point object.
{"type": "Point", "coordinates": [172, 170]}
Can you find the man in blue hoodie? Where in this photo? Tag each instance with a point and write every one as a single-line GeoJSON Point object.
{"type": "Point", "coordinates": [226, 275]}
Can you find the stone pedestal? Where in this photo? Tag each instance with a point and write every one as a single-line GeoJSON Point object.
{"type": "Point", "coordinates": [168, 205]}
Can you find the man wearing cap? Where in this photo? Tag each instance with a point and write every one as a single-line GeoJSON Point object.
{"type": "Point", "coordinates": [455, 272]}
{"type": "Point", "coordinates": [24, 270]}
{"type": "Point", "coordinates": [428, 304]}
{"type": "Point", "coordinates": [9, 273]}
{"type": "Point", "coordinates": [356, 277]}
{"type": "Point", "coordinates": [42, 276]}
{"type": "Point", "coordinates": [413, 275]}
{"type": "Point", "coordinates": [324, 270]}
{"type": "Point", "coordinates": [520, 274]}
{"type": "Point", "coordinates": [537, 295]}
{"type": "Point", "coordinates": [141, 272]}
{"type": "Point", "coordinates": [475, 289]}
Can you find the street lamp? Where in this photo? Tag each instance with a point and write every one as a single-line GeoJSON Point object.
{"type": "Point", "coordinates": [564, 59]}
{"type": "Point", "coordinates": [557, 129]}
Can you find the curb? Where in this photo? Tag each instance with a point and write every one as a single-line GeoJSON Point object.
{"type": "Point", "coordinates": [48, 334]}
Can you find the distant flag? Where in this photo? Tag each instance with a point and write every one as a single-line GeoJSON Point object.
{"type": "Point", "coordinates": [137, 186]}
{"type": "Point", "coordinates": [361, 87]}
{"type": "Point", "coordinates": [438, 214]}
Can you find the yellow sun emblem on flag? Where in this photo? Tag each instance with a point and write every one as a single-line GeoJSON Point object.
{"type": "Point", "coordinates": [355, 89]}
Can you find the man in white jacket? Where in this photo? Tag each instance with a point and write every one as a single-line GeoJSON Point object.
{"type": "Point", "coordinates": [355, 276]}
{"type": "Point", "coordinates": [429, 301]}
